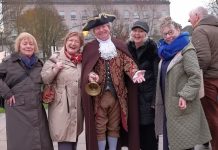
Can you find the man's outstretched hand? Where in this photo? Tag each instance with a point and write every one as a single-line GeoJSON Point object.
{"type": "Point", "coordinates": [139, 76]}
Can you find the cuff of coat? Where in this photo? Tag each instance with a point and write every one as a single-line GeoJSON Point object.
{"type": "Point", "coordinates": [8, 95]}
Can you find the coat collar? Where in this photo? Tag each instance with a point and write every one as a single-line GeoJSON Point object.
{"type": "Point", "coordinates": [15, 57]}
{"type": "Point", "coordinates": [64, 59]}
{"type": "Point", "coordinates": [176, 59]}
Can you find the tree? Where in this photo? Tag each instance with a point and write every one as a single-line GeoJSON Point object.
{"type": "Point", "coordinates": [213, 7]}
{"type": "Point", "coordinates": [44, 22]}
{"type": "Point", "coordinates": [10, 11]}
{"type": "Point", "coordinates": [119, 28]}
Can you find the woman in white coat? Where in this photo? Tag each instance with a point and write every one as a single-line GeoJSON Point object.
{"type": "Point", "coordinates": [65, 113]}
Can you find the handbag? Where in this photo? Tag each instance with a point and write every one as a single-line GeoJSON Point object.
{"type": "Point", "coordinates": [48, 94]}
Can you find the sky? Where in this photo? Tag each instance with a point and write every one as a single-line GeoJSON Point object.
{"type": "Point", "coordinates": [179, 9]}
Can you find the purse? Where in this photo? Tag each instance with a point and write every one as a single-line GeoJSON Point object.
{"type": "Point", "coordinates": [48, 94]}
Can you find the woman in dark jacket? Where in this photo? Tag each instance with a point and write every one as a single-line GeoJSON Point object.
{"type": "Point", "coordinates": [144, 54]}
{"type": "Point", "coordinates": [20, 86]}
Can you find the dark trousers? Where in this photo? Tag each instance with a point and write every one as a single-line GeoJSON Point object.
{"type": "Point", "coordinates": [67, 145]}
{"type": "Point", "coordinates": [210, 105]}
{"type": "Point", "coordinates": [148, 140]}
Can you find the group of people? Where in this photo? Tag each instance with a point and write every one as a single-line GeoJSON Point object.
{"type": "Point", "coordinates": [147, 89]}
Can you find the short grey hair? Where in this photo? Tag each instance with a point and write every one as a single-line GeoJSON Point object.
{"type": "Point", "coordinates": [200, 11]}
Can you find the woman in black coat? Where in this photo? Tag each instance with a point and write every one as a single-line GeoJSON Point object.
{"type": "Point", "coordinates": [144, 53]}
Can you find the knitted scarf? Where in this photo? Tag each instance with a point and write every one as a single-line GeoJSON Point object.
{"type": "Point", "coordinates": [168, 51]}
{"type": "Point", "coordinates": [29, 61]}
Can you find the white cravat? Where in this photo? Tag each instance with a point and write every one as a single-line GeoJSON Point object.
{"type": "Point", "coordinates": [107, 49]}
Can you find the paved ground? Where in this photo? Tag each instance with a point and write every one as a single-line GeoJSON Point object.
{"type": "Point", "coordinates": [3, 142]}
{"type": "Point", "coordinates": [81, 142]}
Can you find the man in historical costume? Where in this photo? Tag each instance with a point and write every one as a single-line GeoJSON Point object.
{"type": "Point", "coordinates": [113, 113]}
{"type": "Point", "coordinates": [205, 40]}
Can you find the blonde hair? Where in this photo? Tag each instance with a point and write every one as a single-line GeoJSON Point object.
{"type": "Point", "coordinates": [167, 21]}
{"type": "Point", "coordinates": [131, 37]}
{"type": "Point", "coordinates": [25, 35]}
{"type": "Point", "coordinates": [71, 34]}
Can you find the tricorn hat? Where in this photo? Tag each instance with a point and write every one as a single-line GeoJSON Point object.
{"type": "Point", "coordinates": [141, 24]}
{"type": "Point", "coordinates": [101, 19]}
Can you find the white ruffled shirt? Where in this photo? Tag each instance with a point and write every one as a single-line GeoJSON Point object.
{"type": "Point", "coordinates": [107, 49]}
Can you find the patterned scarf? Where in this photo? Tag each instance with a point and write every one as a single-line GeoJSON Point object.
{"type": "Point", "coordinates": [29, 61]}
{"type": "Point", "coordinates": [74, 58]}
{"type": "Point", "coordinates": [168, 51]}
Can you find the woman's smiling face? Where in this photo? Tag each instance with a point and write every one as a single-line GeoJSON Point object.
{"type": "Point", "coordinates": [170, 33]}
{"type": "Point", "coordinates": [73, 45]}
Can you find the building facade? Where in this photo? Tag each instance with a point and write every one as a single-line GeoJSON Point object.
{"type": "Point", "coordinates": [76, 12]}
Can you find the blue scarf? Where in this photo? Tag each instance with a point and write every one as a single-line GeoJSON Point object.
{"type": "Point", "coordinates": [168, 51]}
{"type": "Point", "coordinates": [29, 61]}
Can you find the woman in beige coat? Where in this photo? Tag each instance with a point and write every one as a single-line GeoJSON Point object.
{"type": "Point", "coordinates": [65, 113]}
{"type": "Point", "coordinates": [179, 114]}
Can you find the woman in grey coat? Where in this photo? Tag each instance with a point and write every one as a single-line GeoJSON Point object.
{"type": "Point", "coordinates": [179, 114]}
{"type": "Point", "coordinates": [20, 86]}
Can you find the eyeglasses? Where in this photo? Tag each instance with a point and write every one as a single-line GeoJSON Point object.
{"type": "Point", "coordinates": [170, 32]}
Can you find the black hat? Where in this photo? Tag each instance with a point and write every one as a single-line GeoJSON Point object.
{"type": "Point", "coordinates": [141, 24]}
{"type": "Point", "coordinates": [101, 19]}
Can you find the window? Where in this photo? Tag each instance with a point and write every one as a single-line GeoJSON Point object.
{"type": "Point", "coordinates": [135, 15]}
{"type": "Point", "coordinates": [85, 15]}
{"type": "Point", "coordinates": [12, 15]}
{"type": "Point", "coordinates": [95, 12]}
{"type": "Point", "coordinates": [145, 15]}
{"type": "Point", "coordinates": [126, 14]}
{"type": "Point", "coordinates": [73, 15]}
{"type": "Point", "coordinates": [62, 14]}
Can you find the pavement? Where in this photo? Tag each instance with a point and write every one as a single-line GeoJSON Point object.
{"type": "Point", "coordinates": [81, 142]}
{"type": "Point", "coordinates": [3, 139]}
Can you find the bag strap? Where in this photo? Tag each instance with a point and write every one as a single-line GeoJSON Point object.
{"type": "Point", "coordinates": [21, 78]}
{"type": "Point", "coordinates": [27, 73]}
{"type": "Point", "coordinates": [54, 60]}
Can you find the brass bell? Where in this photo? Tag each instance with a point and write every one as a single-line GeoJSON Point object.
{"type": "Point", "coordinates": [93, 89]}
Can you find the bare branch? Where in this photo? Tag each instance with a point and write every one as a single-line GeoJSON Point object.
{"type": "Point", "coordinates": [45, 24]}
{"type": "Point", "coordinates": [213, 7]}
